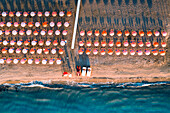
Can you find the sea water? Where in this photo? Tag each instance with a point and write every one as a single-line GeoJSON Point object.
{"type": "Point", "coordinates": [86, 98]}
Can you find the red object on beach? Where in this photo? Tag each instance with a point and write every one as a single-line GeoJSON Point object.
{"type": "Point", "coordinates": [111, 32]}
{"type": "Point", "coordinates": [95, 51]}
{"type": "Point", "coordinates": [89, 33]}
{"type": "Point", "coordinates": [4, 50]}
{"type": "Point", "coordinates": [110, 51]}
{"type": "Point", "coordinates": [82, 33]}
{"type": "Point", "coordinates": [54, 13]}
{"type": "Point", "coordinates": [61, 51]}
{"type": "Point", "coordinates": [81, 43]}
{"type": "Point", "coordinates": [156, 33]}
{"type": "Point", "coordinates": [25, 14]}
{"type": "Point", "coordinates": [134, 33]}
{"type": "Point", "coordinates": [149, 33]}
{"type": "Point", "coordinates": [96, 43]}
{"type": "Point", "coordinates": [127, 33]}
{"type": "Point", "coordinates": [117, 52]}
{"type": "Point", "coordinates": [163, 44]}
{"type": "Point", "coordinates": [164, 33]}
{"type": "Point", "coordinates": [65, 73]}
{"type": "Point", "coordinates": [37, 61]}
{"type": "Point", "coordinates": [118, 43]}
{"type": "Point", "coordinates": [155, 44]}
{"type": "Point", "coordinates": [97, 33]}
{"type": "Point", "coordinates": [141, 33]}
{"type": "Point", "coordinates": [103, 43]}
{"type": "Point", "coordinates": [119, 33]}
{"type": "Point", "coordinates": [88, 43]}
{"type": "Point", "coordinates": [154, 52]}
{"type": "Point", "coordinates": [162, 52]}
{"type": "Point", "coordinates": [39, 14]}
{"type": "Point", "coordinates": [104, 33]}
{"type": "Point", "coordinates": [23, 60]}
{"type": "Point", "coordinates": [11, 14]}
{"type": "Point", "coordinates": [46, 50]}
{"type": "Point", "coordinates": [9, 60]}
{"type": "Point", "coordinates": [12, 42]}
{"type": "Point", "coordinates": [81, 51]}
{"type": "Point", "coordinates": [69, 13]}
{"type": "Point", "coordinates": [88, 51]}
{"type": "Point", "coordinates": [111, 43]}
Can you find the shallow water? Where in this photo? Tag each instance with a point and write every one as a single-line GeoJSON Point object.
{"type": "Point", "coordinates": [152, 99]}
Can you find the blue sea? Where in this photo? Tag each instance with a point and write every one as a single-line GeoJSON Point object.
{"type": "Point", "coordinates": [86, 98]}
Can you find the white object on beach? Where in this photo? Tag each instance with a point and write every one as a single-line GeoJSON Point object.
{"type": "Point", "coordinates": [39, 51]}
{"type": "Point", "coordinates": [1, 32]}
{"type": "Point", "coordinates": [43, 32]}
{"type": "Point", "coordinates": [34, 42]}
{"type": "Point", "coordinates": [62, 43]}
{"type": "Point", "coordinates": [89, 72]}
{"type": "Point", "coordinates": [83, 73]}
{"type": "Point", "coordinates": [16, 24]}
{"type": "Point", "coordinates": [50, 32]}
{"type": "Point", "coordinates": [48, 42]}
{"type": "Point", "coordinates": [2, 61]}
{"type": "Point", "coordinates": [5, 42]}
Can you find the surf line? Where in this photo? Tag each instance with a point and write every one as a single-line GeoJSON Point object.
{"type": "Point", "coordinates": [75, 24]}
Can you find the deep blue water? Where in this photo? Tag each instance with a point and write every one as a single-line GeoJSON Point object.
{"type": "Point", "coordinates": [152, 99]}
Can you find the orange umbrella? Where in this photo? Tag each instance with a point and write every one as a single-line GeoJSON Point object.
{"type": "Point", "coordinates": [50, 32]}
{"type": "Point", "coordinates": [140, 43]}
{"type": "Point", "coordinates": [88, 43]}
{"type": "Point", "coordinates": [26, 42]}
{"type": "Point", "coordinates": [118, 43]}
{"type": "Point", "coordinates": [162, 52]}
{"type": "Point", "coordinates": [103, 43]}
{"type": "Point", "coordinates": [104, 33]}
{"type": "Point", "coordinates": [59, 24]}
{"type": "Point", "coordinates": [39, 14]}
{"type": "Point", "coordinates": [111, 43]}
{"type": "Point", "coordinates": [35, 32]}
{"type": "Point", "coordinates": [18, 50]}
{"type": "Point", "coordinates": [141, 33]}
{"type": "Point", "coordinates": [155, 44]}
{"type": "Point", "coordinates": [154, 52]}
{"type": "Point", "coordinates": [81, 51]}
{"type": "Point", "coordinates": [88, 51]}
{"type": "Point", "coordinates": [156, 33]}
{"type": "Point", "coordinates": [32, 50]}
{"type": "Point", "coordinates": [97, 33]}
{"type": "Point", "coordinates": [119, 33]}
{"type": "Point", "coordinates": [111, 32]}
{"type": "Point", "coordinates": [110, 51]}
{"type": "Point", "coordinates": [96, 43]}
{"type": "Point", "coordinates": [25, 14]}
{"type": "Point", "coordinates": [53, 51]}
{"type": "Point", "coordinates": [61, 51]}
{"type": "Point", "coordinates": [163, 44]}
{"type": "Point", "coordinates": [117, 52]}
{"type": "Point", "coordinates": [148, 44]}
{"type": "Point", "coordinates": [46, 50]}
{"type": "Point", "coordinates": [55, 42]}
{"type": "Point", "coordinates": [64, 32]}
{"type": "Point", "coordinates": [133, 43]}
{"type": "Point", "coordinates": [95, 51]}
{"type": "Point", "coordinates": [37, 24]}
{"type": "Point", "coordinates": [149, 33]}
{"type": "Point", "coordinates": [125, 43]}
{"type": "Point", "coordinates": [54, 13]}
{"type": "Point", "coordinates": [23, 24]}
{"type": "Point", "coordinates": [57, 32]}
{"type": "Point", "coordinates": [69, 13]}
{"type": "Point", "coordinates": [124, 51]}
{"type": "Point", "coordinates": [30, 24]}
{"type": "Point", "coordinates": [139, 52]}
{"type": "Point", "coordinates": [132, 52]}
{"type": "Point", "coordinates": [61, 13]}
{"type": "Point", "coordinates": [81, 43]}
{"type": "Point", "coordinates": [4, 50]}
{"type": "Point", "coordinates": [82, 33]}
{"type": "Point", "coordinates": [127, 33]}
{"type": "Point", "coordinates": [11, 14]}
{"type": "Point", "coordinates": [147, 52]}
{"type": "Point", "coordinates": [164, 33]}
{"type": "Point", "coordinates": [52, 24]}
{"type": "Point", "coordinates": [16, 24]}
{"type": "Point", "coordinates": [89, 33]}
{"type": "Point", "coordinates": [134, 33]}
{"type": "Point", "coordinates": [39, 50]}
{"type": "Point", "coordinates": [45, 24]}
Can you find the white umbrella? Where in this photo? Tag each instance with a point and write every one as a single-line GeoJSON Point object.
{"type": "Point", "coordinates": [58, 61]}
{"type": "Point", "coordinates": [16, 60]}
{"type": "Point", "coordinates": [64, 32]}
{"type": "Point", "coordinates": [48, 42]}
{"type": "Point", "coordinates": [21, 32]}
{"type": "Point", "coordinates": [23, 24]}
{"type": "Point", "coordinates": [18, 50]}
{"type": "Point", "coordinates": [62, 43]}
{"type": "Point", "coordinates": [53, 51]}
{"type": "Point", "coordinates": [47, 13]}
{"type": "Point", "coordinates": [52, 24]}
{"type": "Point", "coordinates": [12, 42]}
{"type": "Point", "coordinates": [29, 32]}
{"type": "Point", "coordinates": [14, 32]}
{"type": "Point", "coordinates": [1, 32]}
{"type": "Point", "coordinates": [32, 14]}
{"type": "Point", "coordinates": [2, 61]}
{"type": "Point", "coordinates": [39, 51]}
{"type": "Point", "coordinates": [57, 32]}
{"type": "Point", "coordinates": [18, 14]}
{"type": "Point", "coordinates": [30, 61]}
{"type": "Point", "coordinates": [9, 24]}
{"type": "Point", "coordinates": [7, 32]}
{"type": "Point", "coordinates": [5, 42]}
{"type": "Point", "coordinates": [37, 61]}
{"type": "Point", "coordinates": [16, 24]}
{"type": "Point", "coordinates": [51, 61]}
{"type": "Point", "coordinates": [4, 14]}
{"type": "Point", "coordinates": [66, 24]}
{"type": "Point", "coordinates": [34, 42]}
{"type": "Point", "coordinates": [61, 13]}
{"type": "Point", "coordinates": [50, 32]}
{"type": "Point", "coordinates": [43, 32]}
{"type": "Point", "coordinates": [23, 60]}
{"type": "Point", "coordinates": [37, 24]}
{"type": "Point", "coordinates": [25, 51]}
{"type": "Point", "coordinates": [11, 50]}
{"type": "Point", "coordinates": [44, 61]}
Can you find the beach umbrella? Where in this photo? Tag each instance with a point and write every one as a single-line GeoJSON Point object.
{"type": "Point", "coordinates": [5, 42]}
{"type": "Point", "coordinates": [37, 61]}
{"type": "Point", "coordinates": [7, 32]}
{"type": "Point", "coordinates": [119, 33]}
{"type": "Point", "coordinates": [23, 24]}
{"type": "Point", "coordinates": [81, 51]}
{"type": "Point", "coordinates": [57, 32]}
{"type": "Point", "coordinates": [149, 33]}
{"type": "Point", "coordinates": [44, 61]}
{"type": "Point", "coordinates": [2, 24]}
{"type": "Point", "coordinates": [61, 13]}
{"type": "Point", "coordinates": [43, 32]}
{"type": "Point", "coordinates": [155, 44]}
{"type": "Point", "coordinates": [18, 50]}
{"type": "Point", "coordinates": [61, 51]}
{"type": "Point", "coordinates": [81, 43]}
{"type": "Point", "coordinates": [53, 51]}
{"type": "Point", "coordinates": [125, 43]}
{"type": "Point", "coordinates": [11, 14]}
{"type": "Point", "coordinates": [46, 50]}
{"type": "Point", "coordinates": [111, 43]}
{"type": "Point", "coordinates": [35, 32]}
{"type": "Point", "coordinates": [19, 42]}
{"type": "Point", "coordinates": [9, 24]}
{"type": "Point", "coordinates": [133, 43]}
{"type": "Point", "coordinates": [124, 51]}
{"type": "Point", "coordinates": [88, 51]}
{"type": "Point", "coordinates": [11, 50]}
{"type": "Point", "coordinates": [66, 24]}
{"type": "Point", "coordinates": [25, 51]}
{"type": "Point", "coordinates": [30, 24]}
{"type": "Point", "coordinates": [0, 41]}
{"type": "Point", "coordinates": [32, 50]}
{"type": "Point", "coordinates": [34, 42]}
{"type": "Point", "coordinates": [23, 61]}
{"type": "Point", "coordinates": [32, 14]}
{"type": "Point", "coordinates": [37, 24]}
{"type": "Point", "coordinates": [30, 60]}
{"type": "Point", "coordinates": [118, 43]}
{"type": "Point", "coordinates": [139, 52]}
{"type": "Point", "coordinates": [163, 44]}
{"type": "Point", "coordinates": [69, 13]}
{"type": "Point", "coordinates": [111, 32]}
{"type": "Point", "coordinates": [45, 24]}
{"type": "Point", "coordinates": [18, 14]}
{"type": "Point", "coordinates": [54, 13]}
{"type": "Point", "coordinates": [110, 51]}
{"type": "Point", "coordinates": [12, 42]}
{"type": "Point", "coordinates": [39, 14]}
{"type": "Point", "coordinates": [51, 61]}
{"type": "Point", "coordinates": [26, 42]}
{"type": "Point", "coordinates": [64, 32]}
{"type": "Point", "coordinates": [52, 24]}
{"type": "Point", "coordinates": [141, 33]}
{"type": "Point", "coordinates": [14, 32]}
{"type": "Point", "coordinates": [148, 44]}
{"type": "Point", "coordinates": [147, 52]}
{"type": "Point", "coordinates": [134, 33]}
{"type": "Point", "coordinates": [16, 24]}
{"type": "Point", "coordinates": [156, 33]}
{"type": "Point", "coordinates": [25, 14]}
{"type": "Point", "coordinates": [96, 33]}
{"type": "Point", "coordinates": [103, 43]}
{"type": "Point", "coordinates": [59, 24]}
{"type": "Point", "coordinates": [4, 50]}
{"type": "Point", "coordinates": [140, 43]}
{"type": "Point", "coordinates": [21, 32]}
{"type": "Point", "coordinates": [39, 51]}
{"type": "Point", "coordinates": [29, 32]}
{"type": "Point", "coordinates": [58, 61]}
{"type": "Point", "coordinates": [48, 42]}
{"type": "Point", "coordinates": [62, 43]}
{"type": "Point", "coordinates": [164, 33]}
{"type": "Point", "coordinates": [9, 60]}
{"type": "Point", "coordinates": [117, 52]}
{"type": "Point", "coordinates": [88, 43]}
{"type": "Point", "coordinates": [16, 61]}
{"type": "Point", "coordinates": [1, 32]}
{"type": "Point", "coordinates": [41, 42]}
{"type": "Point", "coordinates": [132, 52]}
{"type": "Point", "coordinates": [4, 14]}
{"type": "Point", "coordinates": [96, 43]}
{"type": "Point", "coordinates": [162, 52]}
{"type": "Point", "coordinates": [55, 42]}
{"type": "Point", "coordinates": [2, 60]}
{"type": "Point", "coordinates": [127, 33]}
{"type": "Point", "coordinates": [82, 33]}
{"type": "Point", "coordinates": [89, 33]}
{"type": "Point", "coordinates": [154, 52]}
{"type": "Point", "coordinates": [95, 51]}
{"type": "Point", "coordinates": [104, 33]}
{"type": "Point", "coordinates": [47, 13]}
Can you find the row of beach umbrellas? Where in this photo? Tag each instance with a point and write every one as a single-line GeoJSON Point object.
{"type": "Point", "coordinates": [43, 32]}
{"type": "Point", "coordinates": [44, 61]}
{"type": "Point", "coordinates": [34, 13]}
{"type": "Point", "coordinates": [125, 33]}
{"type": "Point", "coordinates": [132, 43]}
{"type": "Point", "coordinates": [125, 51]}
{"type": "Point", "coordinates": [33, 50]}
{"type": "Point", "coordinates": [32, 24]}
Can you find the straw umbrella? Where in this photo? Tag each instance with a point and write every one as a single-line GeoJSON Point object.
{"type": "Point", "coordinates": [51, 61]}
{"type": "Point", "coordinates": [4, 14]}
{"type": "Point", "coordinates": [48, 42]}
{"type": "Point", "coordinates": [2, 60]}
{"type": "Point", "coordinates": [117, 52]}
{"type": "Point", "coordinates": [65, 32]}
{"type": "Point", "coordinates": [111, 32]}
{"type": "Point", "coordinates": [132, 52]}
{"type": "Point", "coordinates": [7, 32]}
{"type": "Point", "coordinates": [26, 42]}
{"type": "Point", "coordinates": [110, 51]}
{"type": "Point", "coordinates": [69, 13]}
{"type": "Point", "coordinates": [164, 33]}
{"type": "Point", "coordinates": [66, 24]}
{"type": "Point", "coordinates": [25, 14]}
{"type": "Point", "coordinates": [156, 33]}
{"type": "Point", "coordinates": [59, 24]}
{"type": "Point", "coordinates": [23, 61]}
{"type": "Point", "coordinates": [53, 51]}
{"type": "Point", "coordinates": [30, 61]}
{"type": "Point", "coordinates": [88, 43]}
{"type": "Point", "coordinates": [89, 33]}
{"type": "Point", "coordinates": [134, 33]}
{"type": "Point", "coordinates": [37, 61]}
{"type": "Point", "coordinates": [96, 43]}
{"type": "Point", "coordinates": [147, 52]}
{"type": "Point", "coordinates": [44, 61]}
{"type": "Point", "coordinates": [82, 33]}
{"type": "Point", "coordinates": [111, 43]}
{"type": "Point", "coordinates": [40, 14]}
{"type": "Point", "coordinates": [21, 32]}
{"type": "Point", "coordinates": [32, 50]}
{"type": "Point", "coordinates": [23, 24]}
{"type": "Point", "coordinates": [32, 14]}
{"type": "Point", "coordinates": [149, 33]}
{"type": "Point", "coordinates": [88, 51]}
{"type": "Point", "coordinates": [133, 43]}
{"type": "Point", "coordinates": [118, 43]}
{"type": "Point", "coordinates": [37, 24]}
{"type": "Point", "coordinates": [104, 33]}
{"type": "Point", "coordinates": [34, 42]}
{"type": "Point", "coordinates": [155, 44]}
{"type": "Point", "coordinates": [62, 43]}
{"type": "Point", "coordinates": [19, 42]}
{"type": "Point", "coordinates": [55, 42]}
{"type": "Point", "coordinates": [5, 42]}
{"type": "Point", "coordinates": [125, 43]}
{"type": "Point", "coordinates": [16, 61]}
{"type": "Point", "coordinates": [124, 51]}
{"type": "Point", "coordinates": [127, 33]}
{"type": "Point", "coordinates": [57, 32]}
{"type": "Point", "coordinates": [47, 13]}
{"type": "Point", "coordinates": [2, 24]}
{"type": "Point", "coordinates": [52, 24]}
{"type": "Point", "coordinates": [4, 50]}
{"type": "Point", "coordinates": [154, 52]}
{"type": "Point", "coordinates": [140, 43]}
{"type": "Point", "coordinates": [43, 32]}
{"type": "Point", "coordinates": [54, 13]}
{"type": "Point", "coordinates": [9, 24]}
{"type": "Point", "coordinates": [9, 60]}
{"type": "Point", "coordinates": [16, 24]}
{"type": "Point", "coordinates": [103, 43]}
{"type": "Point", "coordinates": [81, 51]}
{"type": "Point", "coordinates": [12, 42]}
{"type": "Point", "coordinates": [61, 13]}
{"type": "Point", "coordinates": [162, 52]}
{"type": "Point", "coordinates": [61, 51]}
{"type": "Point", "coordinates": [11, 50]}
{"type": "Point", "coordinates": [11, 14]}
{"type": "Point", "coordinates": [18, 50]}
{"type": "Point", "coordinates": [50, 32]}
{"type": "Point", "coordinates": [45, 24]}
{"type": "Point", "coordinates": [119, 33]}
{"type": "Point", "coordinates": [39, 51]}
{"type": "Point", "coordinates": [46, 50]}
{"type": "Point", "coordinates": [81, 43]}
{"type": "Point", "coordinates": [95, 51]}
{"type": "Point", "coordinates": [29, 32]}
{"type": "Point", "coordinates": [148, 44]}
{"type": "Point", "coordinates": [58, 61]}
{"type": "Point", "coordinates": [139, 52]}
{"type": "Point", "coordinates": [163, 44]}
{"type": "Point", "coordinates": [25, 51]}
{"type": "Point", "coordinates": [141, 33]}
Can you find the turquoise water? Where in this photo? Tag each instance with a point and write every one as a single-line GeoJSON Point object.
{"type": "Point", "coordinates": [96, 99]}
